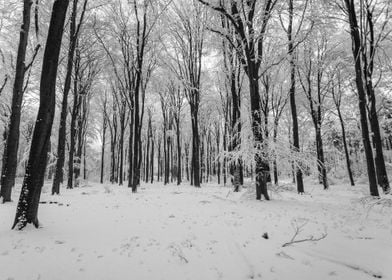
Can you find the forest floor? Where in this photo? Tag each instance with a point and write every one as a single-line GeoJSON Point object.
{"type": "Point", "coordinates": [169, 232]}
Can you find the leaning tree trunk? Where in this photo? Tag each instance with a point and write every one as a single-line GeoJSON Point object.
{"type": "Point", "coordinates": [27, 209]}
{"type": "Point", "coordinates": [10, 157]}
{"type": "Point", "coordinates": [356, 49]}
{"type": "Point", "coordinates": [348, 163]}
{"type": "Point", "coordinates": [382, 177]}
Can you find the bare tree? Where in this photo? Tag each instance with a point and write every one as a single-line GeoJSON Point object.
{"type": "Point", "coordinates": [31, 189]}
{"type": "Point", "coordinates": [248, 42]}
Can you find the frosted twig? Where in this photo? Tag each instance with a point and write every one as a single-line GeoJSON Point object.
{"type": "Point", "coordinates": [297, 231]}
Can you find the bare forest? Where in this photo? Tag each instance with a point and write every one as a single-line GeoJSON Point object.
{"type": "Point", "coordinates": [195, 139]}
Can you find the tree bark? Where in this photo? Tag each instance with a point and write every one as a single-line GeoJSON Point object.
{"type": "Point", "coordinates": [294, 116]}
{"type": "Point", "coordinates": [368, 68]}
{"type": "Point", "coordinates": [10, 156]}
{"type": "Point", "coordinates": [31, 189]}
{"type": "Point", "coordinates": [103, 147]}
{"type": "Point", "coordinates": [348, 162]}
{"type": "Point", "coordinates": [178, 151]}
{"type": "Point", "coordinates": [356, 49]}
{"type": "Point", "coordinates": [195, 146]}
{"type": "Point", "coordinates": [152, 159]}
{"type": "Point", "coordinates": [74, 30]}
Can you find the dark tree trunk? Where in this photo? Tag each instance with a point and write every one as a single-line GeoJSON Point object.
{"type": "Point", "coordinates": [147, 158]}
{"type": "Point", "coordinates": [368, 68]}
{"type": "Point", "coordinates": [320, 157]}
{"type": "Point", "coordinates": [356, 49]}
{"type": "Point", "coordinates": [298, 171]}
{"type": "Point", "coordinates": [77, 166]}
{"type": "Point", "coordinates": [225, 150]}
{"type": "Point", "coordinates": [31, 189]}
{"type": "Point", "coordinates": [178, 151]}
{"type": "Point", "coordinates": [275, 134]}
{"type": "Point", "coordinates": [382, 177]}
{"type": "Point", "coordinates": [84, 160]}
{"type": "Point", "coordinates": [166, 156]}
{"type": "Point", "coordinates": [136, 146]}
{"type": "Point", "coordinates": [348, 162]}
{"type": "Point", "coordinates": [195, 146]}
{"type": "Point", "coordinates": [74, 115]}
{"type": "Point", "coordinates": [159, 160]}
{"type": "Point", "coordinates": [152, 160]}
{"type": "Point", "coordinates": [262, 167]}
{"type": "Point", "coordinates": [170, 156]}
{"type": "Point", "coordinates": [103, 147]}
{"type": "Point", "coordinates": [130, 151]}
{"type": "Point", "coordinates": [217, 151]}
{"type": "Point", "coordinates": [202, 163]}
{"type": "Point", "coordinates": [10, 156]}
{"type": "Point", "coordinates": [121, 147]}
{"type": "Point", "coordinates": [187, 160]}
{"type": "Point", "coordinates": [59, 170]}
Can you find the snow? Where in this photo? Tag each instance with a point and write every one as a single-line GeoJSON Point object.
{"type": "Point", "coordinates": [179, 232]}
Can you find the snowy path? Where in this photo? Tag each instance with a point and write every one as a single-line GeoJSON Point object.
{"type": "Point", "coordinates": [172, 232]}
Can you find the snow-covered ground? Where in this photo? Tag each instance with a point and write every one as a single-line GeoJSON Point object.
{"type": "Point", "coordinates": [169, 232]}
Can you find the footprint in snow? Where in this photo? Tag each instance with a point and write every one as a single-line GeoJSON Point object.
{"type": "Point", "coordinates": [39, 249]}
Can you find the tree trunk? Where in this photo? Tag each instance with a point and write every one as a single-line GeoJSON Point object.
{"type": "Point", "coordinates": [130, 151]}
{"type": "Point", "coordinates": [348, 162]}
{"type": "Point", "coordinates": [84, 160]}
{"type": "Point", "coordinates": [262, 168]}
{"type": "Point", "coordinates": [356, 49]}
{"type": "Point", "coordinates": [103, 148]}
{"type": "Point", "coordinates": [10, 156]}
{"type": "Point", "coordinates": [298, 171]}
{"type": "Point", "coordinates": [195, 146]}
{"type": "Point", "coordinates": [275, 134]}
{"type": "Point", "coordinates": [59, 173]}
{"type": "Point", "coordinates": [320, 157]}
{"type": "Point", "coordinates": [178, 151]}
{"type": "Point", "coordinates": [166, 153]}
{"type": "Point", "coordinates": [31, 189]}
{"type": "Point", "coordinates": [75, 112]}
{"type": "Point", "coordinates": [152, 161]}
{"type": "Point", "coordinates": [78, 165]}
{"type": "Point", "coordinates": [187, 160]}
{"type": "Point", "coordinates": [121, 154]}
{"type": "Point", "coordinates": [218, 156]}
{"type": "Point", "coordinates": [382, 177]}
{"type": "Point", "coordinates": [159, 160]}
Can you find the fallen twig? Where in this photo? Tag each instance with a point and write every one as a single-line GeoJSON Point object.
{"type": "Point", "coordinates": [297, 230]}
